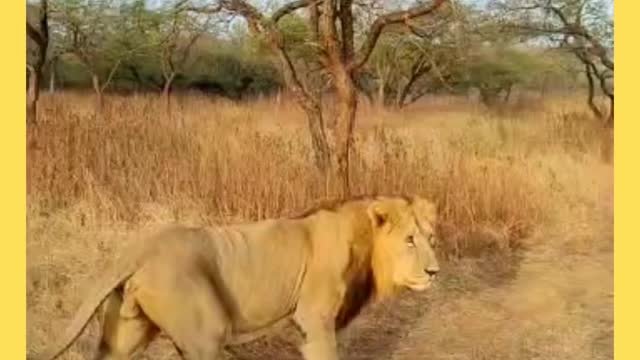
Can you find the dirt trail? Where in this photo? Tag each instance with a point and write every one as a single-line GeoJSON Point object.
{"type": "Point", "coordinates": [558, 306]}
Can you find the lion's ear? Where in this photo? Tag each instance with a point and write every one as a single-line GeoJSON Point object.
{"type": "Point", "coordinates": [379, 214]}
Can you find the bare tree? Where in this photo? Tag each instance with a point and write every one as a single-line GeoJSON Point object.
{"type": "Point", "coordinates": [582, 27]}
{"type": "Point", "coordinates": [603, 74]}
{"type": "Point", "coordinates": [40, 35]}
{"type": "Point", "coordinates": [416, 58]}
{"type": "Point", "coordinates": [333, 31]}
{"type": "Point", "coordinates": [177, 33]}
{"type": "Point", "coordinates": [97, 35]}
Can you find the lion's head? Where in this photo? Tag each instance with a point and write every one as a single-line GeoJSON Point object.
{"type": "Point", "coordinates": [391, 247]}
{"type": "Point", "coordinates": [403, 245]}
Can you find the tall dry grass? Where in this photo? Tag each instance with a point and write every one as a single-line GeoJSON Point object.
{"type": "Point", "coordinates": [220, 161]}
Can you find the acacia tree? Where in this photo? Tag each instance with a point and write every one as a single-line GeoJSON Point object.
{"type": "Point", "coordinates": [417, 58]}
{"type": "Point", "coordinates": [342, 54]}
{"type": "Point", "coordinates": [98, 34]}
{"type": "Point", "coordinates": [172, 34]}
{"type": "Point", "coordinates": [40, 35]}
{"type": "Point", "coordinates": [582, 27]}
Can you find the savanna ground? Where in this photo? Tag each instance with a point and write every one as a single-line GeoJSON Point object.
{"type": "Point", "coordinates": [525, 195]}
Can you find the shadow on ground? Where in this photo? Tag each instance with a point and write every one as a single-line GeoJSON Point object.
{"type": "Point", "coordinates": [378, 332]}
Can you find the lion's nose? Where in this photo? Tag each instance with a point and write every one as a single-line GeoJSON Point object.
{"type": "Point", "coordinates": [432, 272]}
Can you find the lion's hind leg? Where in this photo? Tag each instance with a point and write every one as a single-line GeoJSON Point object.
{"type": "Point", "coordinates": [188, 310]}
{"type": "Point", "coordinates": [126, 330]}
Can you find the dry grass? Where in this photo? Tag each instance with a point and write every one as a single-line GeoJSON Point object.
{"type": "Point", "coordinates": [500, 181]}
{"type": "Point", "coordinates": [226, 161]}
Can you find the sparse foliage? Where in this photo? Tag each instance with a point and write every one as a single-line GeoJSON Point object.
{"type": "Point", "coordinates": [99, 35]}
{"type": "Point", "coordinates": [416, 58]}
{"type": "Point", "coordinates": [582, 27]}
{"type": "Point", "coordinates": [175, 33]}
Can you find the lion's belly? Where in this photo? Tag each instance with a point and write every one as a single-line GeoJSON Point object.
{"type": "Point", "coordinates": [260, 303]}
{"type": "Point", "coordinates": [263, 278]}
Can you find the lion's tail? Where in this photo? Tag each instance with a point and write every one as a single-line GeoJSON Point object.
{"type": "Point", "coordinates": [85, 312]}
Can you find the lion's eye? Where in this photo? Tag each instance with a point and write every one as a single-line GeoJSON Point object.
{"type": "Point", "coordinates": [432, 240]}
{"type": "Point", "coordinates": [410, 241]}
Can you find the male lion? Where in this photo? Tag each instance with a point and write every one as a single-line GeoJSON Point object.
{"type": "Point", "coordinates": [205, 287]}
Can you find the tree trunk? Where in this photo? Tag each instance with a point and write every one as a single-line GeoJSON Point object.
{"type": "Point", "coordinates": [382, 73]}
{"type": "Point", "coordinates": [609, 94]}
{"type": "Point", "coordinates": [41, 38]}
{"type": "Point", "coordinates": [342, 135]}
{"type": "Point", "coordinates": [319, 141]}
{"type": "Point", "coordinates": [33, 93]}
{"type": "Point", "coordinates": [507, 94]}
{"type": "Point", "coordinates": [591, 93]}
{"type": "Point", "coordinates": [418, 69]}
{"type": "Point", "coordinates": [52, 81]}
{"type": "Point", "coordinates": [609, 123]}
{"type": "Point", "coordinates": [166, 91]}
{"type": "Point", "coordinates": [52, 75]}
{"type": "Point", "coordinates": [98, 89]}
{"type": "Point", "coordinates": [401, 99]}
{"type": "Point", "coordinates": [381, 93]}
{"type": "Point", "coordinates": [401, 95]}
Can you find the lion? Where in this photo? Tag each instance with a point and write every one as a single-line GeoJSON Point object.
{"type": "Point", "coordinates": [206, 287]}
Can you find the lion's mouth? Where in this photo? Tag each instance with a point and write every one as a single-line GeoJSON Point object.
{"type": "Point", "coordinates": [419, 285]}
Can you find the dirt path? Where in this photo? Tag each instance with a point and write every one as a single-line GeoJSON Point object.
{"type": "Point", "coordinates": [558, 306]}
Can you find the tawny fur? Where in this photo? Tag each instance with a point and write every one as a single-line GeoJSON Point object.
{"type": "Point", "coordinates": [205, 287]}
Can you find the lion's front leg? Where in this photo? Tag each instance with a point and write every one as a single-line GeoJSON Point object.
{"type": "Point", "coordinates": [319, 338]}
{"type": "Point", "coordinates": [315, 315]}
{"type": "Point", "coordinates": [321, 296]}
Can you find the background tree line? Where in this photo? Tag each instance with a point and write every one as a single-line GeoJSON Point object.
{"type": "Point", "coordinates": [157, 48]}
{"type": "Point", "coordinates": [393, 52]}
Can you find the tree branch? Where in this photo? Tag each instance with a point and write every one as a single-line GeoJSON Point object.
{"type": "Point", "coordinates": [381, 22]}
{"type": "Point", "coordinates": [346, 26]}
{"type": "Point", "coordinates": [41, 35]}
{"type": "Point", "coordinates": [314, 16]}
{"type": "Point", "coordinates": [329, 31]}
{"type": "Point", "coordinates": [202, 9]}
{"type": "Point", "coordinates": [113, 71]}
{"type": "Point", "coordinates": [291, 7]}
{"type": "Point", "coordinates": [594, 108]}
{"type": "Point", "coordinates": [257, 24]}
{"type": "Point", "coordinates": [568, 28]}
{"type": "Point", "coordinates": [249, 13]}
{"type": "Point", "coordinates": [44, 20]}
{"type": "Point", "coordinates": [35, 35]}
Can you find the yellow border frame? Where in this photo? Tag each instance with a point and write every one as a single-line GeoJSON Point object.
{"type": "Point", "coordinates": [627, 246]}
{"type": "Point", "coordinates": [13, 189]}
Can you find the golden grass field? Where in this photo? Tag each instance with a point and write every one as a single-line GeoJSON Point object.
{"type": "Point", "coordinates": [525, 197]}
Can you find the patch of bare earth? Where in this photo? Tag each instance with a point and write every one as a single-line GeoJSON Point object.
{"type": "Point", "coordinates": [558, 306]}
